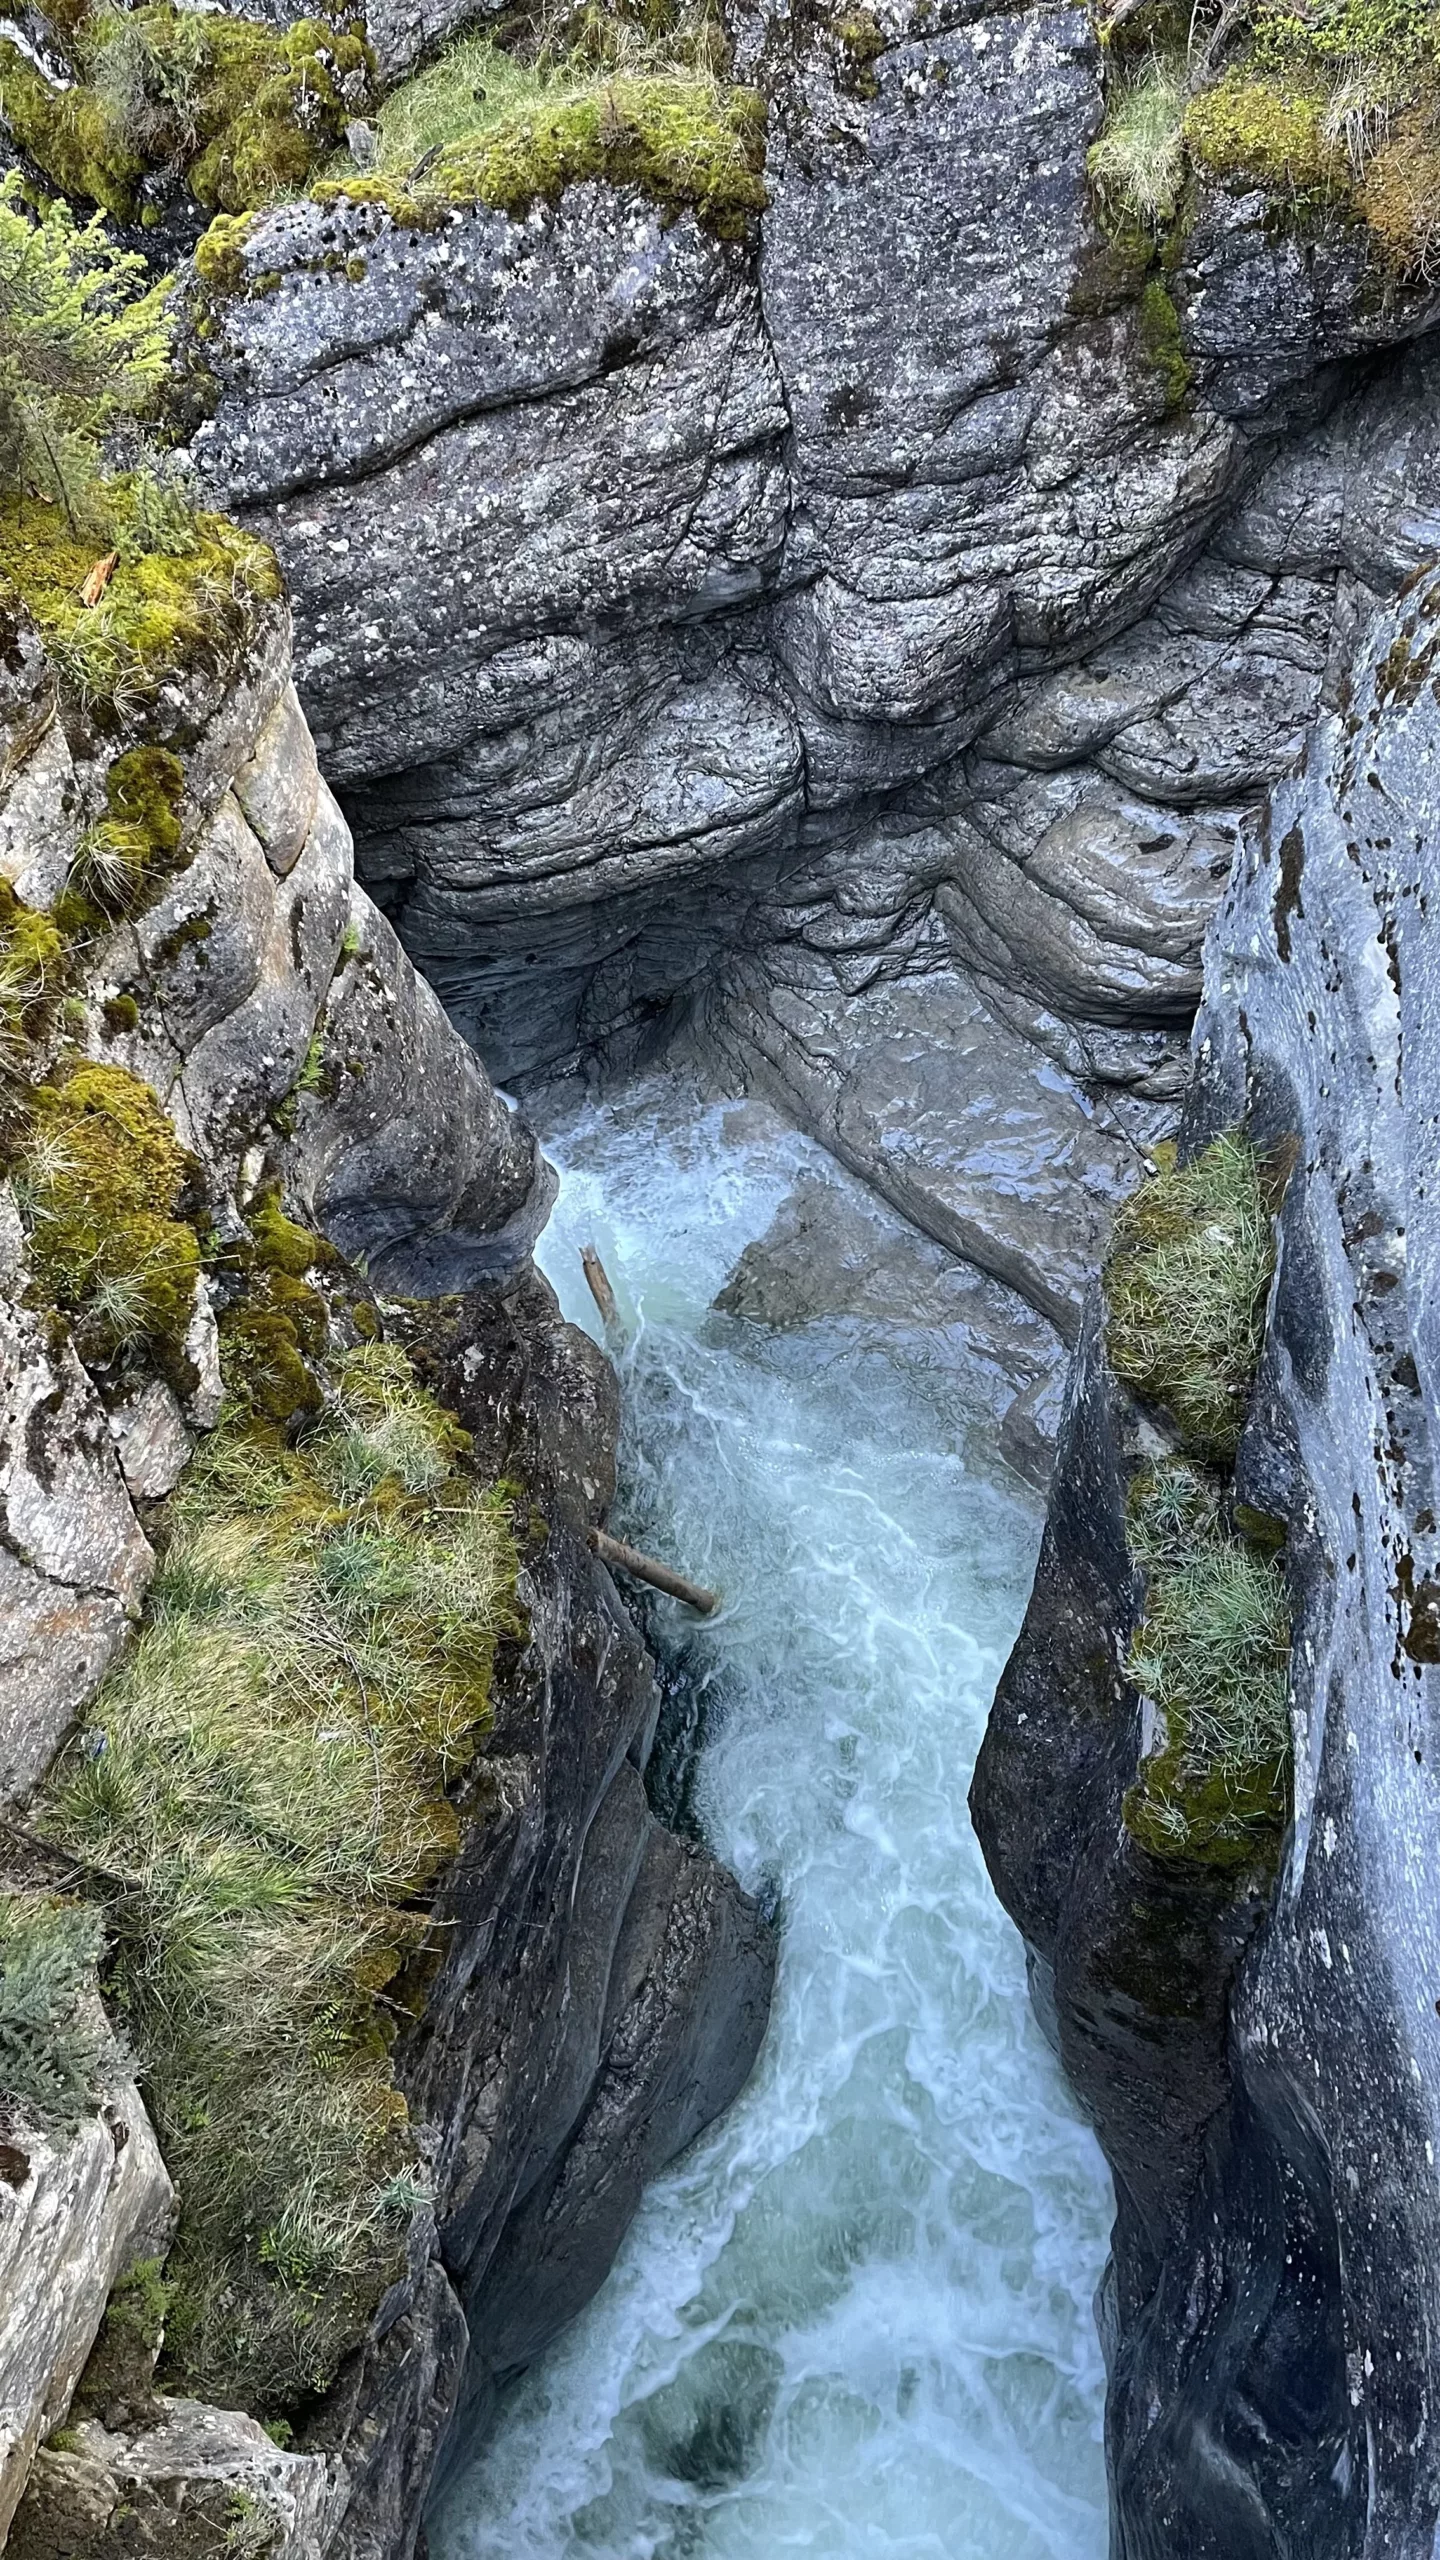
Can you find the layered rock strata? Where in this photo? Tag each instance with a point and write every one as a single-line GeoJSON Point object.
{"type": "Point", "coordinates": [860, 648]}
{"type": "Point", "coordinates": [1259, 2054]}
{"type": "Point", "coordinates": [604, 1985]}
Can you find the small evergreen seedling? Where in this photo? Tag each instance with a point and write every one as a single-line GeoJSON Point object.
{"type": "Point", "coordinates": [82, 346]}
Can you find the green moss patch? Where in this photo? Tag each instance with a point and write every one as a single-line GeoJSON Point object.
{"type": "Point", "coordinates": [33, 962]}
{"type": "Point", "coordinates": [1161, 343]}
{"type": "Point", "coordinates": [245, 111]}
{"type": "Point", "coordinates": [1186, 1284]}
{"type": "Point", "coordinates": [100, 1175]}
{"type": "Point", "coordinates": [267, 1772]}
{"type": "Point", "coordinates": [56, 2053]}
{"type": "Point", "coordinates": [159, 614]}
{"type": "Point", "coordinates": [1212, 1653]}
{"type": "Point", "coordinates": [1261, 132]}
{"type": "Point", "coordinates": [480, 128]}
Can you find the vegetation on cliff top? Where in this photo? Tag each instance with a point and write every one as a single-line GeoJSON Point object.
{"type": "Point", "coordinates": [1332, 106]}
{"type": "Point", "coordinates": [264, 1776]}
{"type": "Point", "coordinates": [127, 583]}
{"type": "Point", "coordinates": [634, 97]}
{"type": "Point", "coordinates": [239, 110]}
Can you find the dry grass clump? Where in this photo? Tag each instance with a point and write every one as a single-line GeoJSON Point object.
{"type": "Point", "coordinates": [1186, 1283]}
{"type": "Point", "coordinates": [1212, 1653]}
{"type": "Point", "coordinates": [266, 1773]}
{"type": "Point", "coordinates": [1137, 166]}
{"type": "Point", "coordinates": [56, 2053]}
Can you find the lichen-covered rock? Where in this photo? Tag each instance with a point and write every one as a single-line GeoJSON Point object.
{"type": "Point", "coordinates": [1261, 2062]}
{"type": "Point", "coordinates": [202, 2480]}
{"type": "Point", "coordinates": [75, 2211]}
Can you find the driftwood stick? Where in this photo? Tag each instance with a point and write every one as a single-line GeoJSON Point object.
{"type": "Point", "coordinates": [600, 1289]}
{"type": "Point", "coordinates": [613, 1552]}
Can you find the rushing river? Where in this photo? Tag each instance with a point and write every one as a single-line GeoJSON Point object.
{"type": "Point", "coordinates": [855, 2319]}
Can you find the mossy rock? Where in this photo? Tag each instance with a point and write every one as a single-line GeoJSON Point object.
{"type": "Point", "coordinates": [264, 1363]}
{"type": "Point", "coordinates": [680, 141]}
{"type": "Point", "coordinates": [248, 111]}
{"type": "Point", "coordinates": [101, 1176]}
{"type": "Point", "coordinates": [122, 2360]}
{"type": "Point", "coordinates": [34, 963]}
{"type": "Point", "coordinates": [1260, 132]}
{"type": "Point", "coordinates": [160, 614]}
{"type": "Point", "coordinates": [1161, 342]}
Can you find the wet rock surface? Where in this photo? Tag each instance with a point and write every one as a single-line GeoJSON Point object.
{"type": "Point", "coordinates": [1262, 2065]}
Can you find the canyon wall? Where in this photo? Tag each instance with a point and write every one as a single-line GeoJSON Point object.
{"type": "Point", "coordinates": [598, 1988]}
{"type": "Point", "coordinates": [1259, 2050]}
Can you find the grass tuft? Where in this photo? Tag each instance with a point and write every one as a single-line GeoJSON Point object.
{"type": "Point", "coordinates": [1186, 1283]}
{"type": "Point", "coordinates": [267, 1771]}
{"type": "Point", "coordinates": [1137, 167]}
{"type": "Point", "coordinates": [161, 612]}
{"type": "Point", "coordinates": [1212, 1654]}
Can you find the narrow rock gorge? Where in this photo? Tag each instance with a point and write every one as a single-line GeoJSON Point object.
{"type": "Point", "coordinates": [880, 562]}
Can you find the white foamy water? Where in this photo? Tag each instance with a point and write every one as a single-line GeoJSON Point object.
{"type": "Point", "coordinates": [855, 2320]}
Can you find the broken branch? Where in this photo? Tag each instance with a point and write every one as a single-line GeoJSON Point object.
{"type": "Point", "coordinates": [613, 1552]}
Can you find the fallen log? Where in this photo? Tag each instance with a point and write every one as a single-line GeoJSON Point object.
{"type": "Point", "coordinates": [615, 1553]}
{"type": "Point", "coordinates": [600, 1289]}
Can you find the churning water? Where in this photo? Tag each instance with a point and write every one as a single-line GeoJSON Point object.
{"type": "Point", "coordinates": [855, 2320]}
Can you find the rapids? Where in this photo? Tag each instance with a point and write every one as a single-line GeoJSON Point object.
{"type": "Point", "coordinates": [855, 2319]}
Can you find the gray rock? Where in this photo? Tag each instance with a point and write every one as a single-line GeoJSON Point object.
{"type": "Point", "coordinates": [1260, 2067]}
{"type": "Point", "coordinates": [403, 1148]}
{"type": "Point", "coordinates": [200, 2481]}
{"type": "Point", "coordinates": [960, 1125]}
{"type": "Point", "coordinates": [74, 1561]}
{"type": "Point", "coordinates": [278, 786]}
{"type": "Point", "coordinates": [75, 2211]}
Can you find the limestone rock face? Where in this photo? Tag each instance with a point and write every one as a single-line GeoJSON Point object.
{"type": "Point", "coordinates": [606, 1985]}
{"type": "Point", "coordinates": [74, 1560]}
{"type": "Point", "coordinates": [201, 2480]}
{"type": "Point", "coordinates": [707, 638]}
{"type": "Point", "coordinates": [1264, 2072]}
{"type": "Point", "coordinates": [75, 2212]}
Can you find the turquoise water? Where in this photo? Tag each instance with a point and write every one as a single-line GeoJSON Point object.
{"type": "Point", "coordinates": [855, 2320]}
